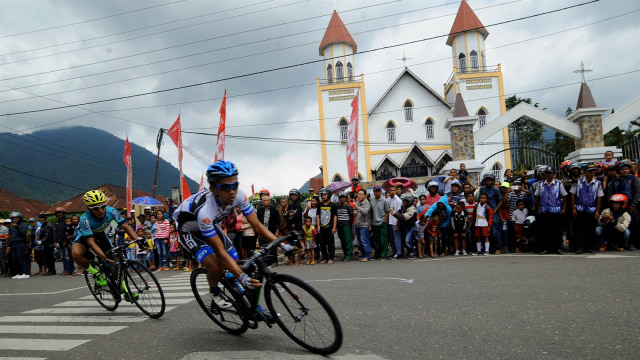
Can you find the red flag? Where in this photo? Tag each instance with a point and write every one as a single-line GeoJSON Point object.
{"type": "Point", "coordinates": [175, 133]}
{"type": "Point", "coordinates": [127, 163]}
{"type": "Point", "coordinates": [352, 139]}
{"type": "Point", "coordinates": [252, 190]}
{"type": "Point", "coordinates": [201, 182]}
{"type": "Point", "coordinates": [221, 128]}
{"type": "Point", "coordinates": [185, 188]}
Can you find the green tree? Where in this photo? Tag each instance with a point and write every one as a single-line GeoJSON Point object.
{"type": "Point", "coordinates": [615, 137]}
{"type": "Point", "coordinates": [523, 132]}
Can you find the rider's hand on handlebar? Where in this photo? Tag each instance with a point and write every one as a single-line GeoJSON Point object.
{"type": "Point", "coordinates": [248, 282]}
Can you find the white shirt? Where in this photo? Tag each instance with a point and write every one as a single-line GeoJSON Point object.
{"type": "Point", "coordinates": [394, 203]}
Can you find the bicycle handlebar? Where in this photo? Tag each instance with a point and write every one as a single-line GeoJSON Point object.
{"type": "Point", "coordinates": [266, 249]}
{"type": "Point", "coordinates": [126, 244]}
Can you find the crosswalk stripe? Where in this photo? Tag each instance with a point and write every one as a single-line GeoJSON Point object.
{"type": "Point", "coordinates": [176, 287]}
{"type": "Point", "coordinates": [21, 358]}
{"type": "Point", "coordinates": [40, 344]}
{"type": "Point", "coordinates": [167, 295]}
{"type": "Point", "coordinates": [94, 310]}
{"type": "Point", "coordinates": [67, 319]}
{"type": "Point", "coordinates": [44, 329]}
{"type": "Point", "coordinates": [84, 303]}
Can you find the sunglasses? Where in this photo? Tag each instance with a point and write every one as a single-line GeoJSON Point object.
{"type": "Point", "coordinates": [99, 207]}
{"type": "Point", "coordinates": [228, 187]}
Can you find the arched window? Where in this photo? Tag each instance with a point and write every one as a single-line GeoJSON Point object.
{"type": "Point", "coordinates": [337, 178]}
{"type": "Point", "coordinates": [482, 118]}
{"type": "Point", "coordinates": [350, 71]}
{"type": "Point", "coordinates": [408, 111]}
{"type": "Point", "coordinates": [497, 171]}
{"type": "Point", "coordinates": [474, 60]}
{"type": "Point", "coordinates": [329, 74]}
{"type": "Point", "coordinates": [344, 129]}
{"type": "Point", "coordinates": [339, 71]}
{"type": "Point", "coordinates": [391, 132]}
{"type": "Point", "coordinates": [428, 127]}
{"type": "Point", "coordinates": [462, 63]}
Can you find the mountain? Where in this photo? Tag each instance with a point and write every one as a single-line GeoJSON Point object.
{"type": "Point", "coordinates": [54, 165]}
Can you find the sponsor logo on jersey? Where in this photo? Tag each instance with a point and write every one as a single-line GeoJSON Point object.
{"type": "Point", "coordinates": [206, 221]}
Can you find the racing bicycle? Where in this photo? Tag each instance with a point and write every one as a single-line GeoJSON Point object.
{"type": "Point", "coordinates": [127, 280]}
{"type": "Point", "coordinates": [298, 309]}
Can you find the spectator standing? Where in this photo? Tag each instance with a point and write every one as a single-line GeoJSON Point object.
{"type": "Point", "coordinates": [309, 232]}
{"type": "Point", "coordinates": [269, 217]}
{"type": "Point", "coordinates": [171, 207]}
{"type": "Point", "coordinates": [161, 241]}
{"type": "Point", "coordinates": [551, 205]}
{"type": "Point", "coordinates": [249, 238]}
{"type": "Point", "coordinates": [442, 207]}
{"type": "Point", "coordinates": [60, 239]}
{"type": "Point", "coordinates": [406, 221]}
{"type": "Point", "coordinates": [629, 186]}
{"type": "Point", "coordinates": [284, 224]}
{"type": "Point", "coordinates": [362, 213]}
{"type": "Point", "coordinates": [38, 248]}
{"type": "Point", "coordinates": [463, 174]}
{"type": "Point", "coordinates": [344, 219]}
{"type": "Point", "coordinates": [483, 214]}
{"type": "Point", "coordinates": [4, 238]}
{"type": "Point", "coordinates": [312, 212]}
{"type": "Point", "coordinates": [380, 214]}
{"type": "Point", "coordinates": [453, 176]}
{"type": "Point", "coordinates": [174, 250]}
{"type": "Point", "coordinates": [294, 211]}
{"type": "Point", "coordinates": [516, 193]}
{"type": "Point", "coordinates": [518, 218]}
{"type": "Point", "coordinates": [69, 232]}
{"type": "Point", "coordinates": [325, 219]}
{"type": "Point", "coordinates": [47, 237]}
{"type": "Point", "coordinates": [459, 228]}
{"type": "Point", "coordinates": [431, 233]}
{"type": "Point", "coordinates": [355, 187]}
{"type": "Point", "coordinates": [456, 195]}
{"type": "Point", "coordinates": [493, 199]}
{"type": "Point", "coordinates": [395, 235]}
{"type": "Point", "coordinates": [587, 196]}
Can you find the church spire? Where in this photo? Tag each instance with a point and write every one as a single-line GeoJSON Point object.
{"type": "Point", "coordinates": [460, 109]}
{"type": "Point", "coordinates": [466, 20]}
{"type": "Point", "coordinates": [585, 99]}
{"type": "Point", "coordinates": [336, 33]}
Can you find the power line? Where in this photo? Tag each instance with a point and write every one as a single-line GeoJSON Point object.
{"type": "Point", "coordinates": [284, 67]}
{"type": "Point", "coordinates": [40, 178]}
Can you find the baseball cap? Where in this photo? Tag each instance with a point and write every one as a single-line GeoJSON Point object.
{"type": "Point", "coordinates": [590, 167]}
{"type": "Point", "coordinates": [505, 185]}
{"type": "Point", "coordinates": [32, 219]}
{"type": "Point", "coordinates": [377, 188]}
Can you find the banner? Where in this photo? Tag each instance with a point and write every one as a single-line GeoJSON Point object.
{"type": "Point", "coordinates": [352, 139]}
{"type": "Point", "coordinates": [222, 128]}
{"type": "Point", "coordinates": [175, 133]}
{"type": "Point", "coordinates": [185, 188]}
{"type": "Point", "coordinates": [127, 163]}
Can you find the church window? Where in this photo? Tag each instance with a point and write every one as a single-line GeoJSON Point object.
{"type": "Point", "coordinates": [482, 118]}
{"type": "Point", "coordinates": [350, 71]}
{"type": "Point", "coordinates": [391, 132]}
{"type": "Point", "coordinates": [474, 60]}
{"type": "Point", "coordinates": [337, 178]}
{"type": "Point", "coordinates": [497, 171]}
{"type": "Point", "coordinates": [329, 74]}
{"type": "Point", "coordinates": [339, 71]}
{"type": "Point", "coordinates": [408, 111]}
{"type": "Point", "coordinates": [428, 126]}
{"type": "Point", "coordinates": [462, 63]}
{"type": "Point", "coordinates": [344, 129]}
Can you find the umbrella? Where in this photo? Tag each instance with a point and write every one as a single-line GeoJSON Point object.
{"type": "Point", "coordinates": [405, 182]}
{"type": "Point", "coordinates": [146, 200]}
{"type": "Point", "coordinates": [338, 186]}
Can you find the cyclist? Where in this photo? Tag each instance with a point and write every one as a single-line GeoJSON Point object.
{"type": "Point", "coordinates": [198, 219]}
{"type": "Point", "coordinates": [91, 233]}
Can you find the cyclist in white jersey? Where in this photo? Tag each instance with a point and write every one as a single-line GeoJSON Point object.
{"type": "Point", "coordinates": [198, 218]}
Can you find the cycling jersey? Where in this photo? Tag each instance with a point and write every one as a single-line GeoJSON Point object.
{"type": "Point", "coordinates": [90, 224]}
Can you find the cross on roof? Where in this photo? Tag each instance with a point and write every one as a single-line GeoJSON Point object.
{"type": "Point", "coordinates": [404, 59]}
{"type": "Point", "coordinates": [582, 71]}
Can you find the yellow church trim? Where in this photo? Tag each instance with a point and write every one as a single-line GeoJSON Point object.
{"type": "Point", "coordinates": [425, 148]}
{"type": "Point", "coordinates": [323, 144]}
{"type": "Point", "coordinates": [365, 125]}
{"type": "Point", "coordinates": [333, 66]}
{"type": "Point", "coordinates": [480, 52]}
{"type": "Point", "coordinates": [503, 109]}
{"type": "Point", "coordinates": [479, 75]}
{"type": "Point", "coordinates": [466, 52]}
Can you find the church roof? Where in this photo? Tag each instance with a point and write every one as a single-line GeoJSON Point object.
{"type": "Point", "coordinates": [460, 109]}
{"type": "Point", "coordinates": [585, 99]}
{"type": "Point", "coordinates": [337, 33]}
{"type": "Point", "coordinates": [408, 72]}
{"type": "Point", "coordinates": [466, 20]}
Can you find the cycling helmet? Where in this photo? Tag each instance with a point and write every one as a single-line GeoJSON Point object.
{"type": "Point", "coordinates": [60, 209]}
{"type": "Point", "coordinates": [488, 175]}
{"type": "Point", "coordinates": [294, 192]}
{"type": "Point", "coordinates": [17, 214]}
{"type": "Point", "coordinates": [619, 198]}
{"type": "Point", "coordinates": [325, 191]}
{"type": "Point", "coordinates": [221, 169]}
{"type": "Point", "coordinates": [624, 163]}
{"type": "Point", "coordinates": [93, 197]}
{"type": "Point", "coordinates": [572, 166]}
{"type": "Point", "coordinates": [432, 184]}
{"type": "Point", "coordinates": [343, 194]}
{"type": "Point", "coordinates": [409, 198]}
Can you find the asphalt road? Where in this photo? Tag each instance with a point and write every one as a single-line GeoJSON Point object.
{"type": "Point", "coordinates": [494, 307]}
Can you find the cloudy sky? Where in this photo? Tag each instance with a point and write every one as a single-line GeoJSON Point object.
{"type": "Point", "coordinates": [265, 54]}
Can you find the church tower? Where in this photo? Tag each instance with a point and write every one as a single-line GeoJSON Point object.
{"type": "Point", "coordinates": [479, 81]}
{"type": "Point", "coordinates": [336, 89]}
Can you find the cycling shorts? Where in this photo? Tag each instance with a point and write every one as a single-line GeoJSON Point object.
{"type": "Point", "coordinates": [100, 238]}
{"type": "Point", "coordinates": [197, 245]}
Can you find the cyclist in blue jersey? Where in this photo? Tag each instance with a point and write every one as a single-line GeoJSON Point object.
{"type": "Point", "coordinates": [198, 218]}
{"type": "Point", "coordinates": [91, 233]}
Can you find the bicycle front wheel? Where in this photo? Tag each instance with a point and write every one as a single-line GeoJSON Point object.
{"type": "Point", "coordinates": [104, 295]}
{"type": "Point", "coordinates": [143, 289]}
{"type": "Point", "coordinates": [230, 319]}
{"type": "Point", "coordinates": [303, 314]}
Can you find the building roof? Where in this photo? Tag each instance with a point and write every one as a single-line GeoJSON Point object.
{"type": "Point", "coordinates": [585, 99]}
{"type": "Point", "coordinates": [28, 207]}
{"type": "Point", "coordinates": [337, 33]}
{"type": "Point", "coordinates": [116, 197]}
{"type": "Point", "coordinates": [466, 20]}
{"type": "Point", "coordinates": [460, 109]}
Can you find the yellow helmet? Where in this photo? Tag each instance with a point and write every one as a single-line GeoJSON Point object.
{"type": "Point", "coordinates": [93, 197]}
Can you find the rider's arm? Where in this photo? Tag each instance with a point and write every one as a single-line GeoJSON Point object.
{"type": "Point", "coordinates": [96, 249]}
{"type": "Point", "coordinates": [129, 230]}
{"type": "Point", "coordinates": [228, 262]}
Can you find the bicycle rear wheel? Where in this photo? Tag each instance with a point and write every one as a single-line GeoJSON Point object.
{"type": "Point", "coordinates": [104, 295]}
{"type": "Point", "coordinates": [232, 319]}
{"type": "Point", "coordinates": [144, 290]}
{"type": "Point", "coordinates": [303, 314]}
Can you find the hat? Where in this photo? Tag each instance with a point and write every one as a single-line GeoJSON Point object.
{"type": "Point", "coordinates": [377, 188]}
{"type": "Point", "coordinates": [132, 210]}
{"type": "Point", "coordinates": [505, 185]}
{"type": "Point", "coordinates": [455, 182]}
{"type": "Point", "coordinates": [590, 167]}
{"type": "Point", "coordinates": [32, 219]}
{"type": "Point", "coordinates": [7, 220]}
{"type": "Point", "coordinates": [310, 189]}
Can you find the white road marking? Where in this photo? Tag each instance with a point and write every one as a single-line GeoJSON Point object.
{"type": "Point", "coordinates": [45, 293]}
{"type": "Point", "coordinates": [408, 281]}
{"type": "Point", "coordinates": [40, 344]}
{"type": "Point", "coordinates": [45, 329]}
{"type": "Point", "coordinates": [67, 319]}
{"type": "Point", "coordinates": [85, 303]}
{"type": "Point", "coordinates": [94, 310]}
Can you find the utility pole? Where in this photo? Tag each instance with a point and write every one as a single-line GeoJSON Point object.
{"type": "Point", "coordinates": [155, 176]}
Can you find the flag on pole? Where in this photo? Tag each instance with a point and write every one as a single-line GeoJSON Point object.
{"type": "Point", "coordinates": [201, 182]}
{"type": "Point", "coordinates": [175, 133]}
{"type": "Point", "coordinates": [185, 188]}
{"type": "Point", "coordinates": [221, 128]}
{"type": "Point", "coordinates": [127, 163]}
{"type": "Point", "coordinates": [253, 192]}
{"type": "Point", "coordinates": [352, 139]}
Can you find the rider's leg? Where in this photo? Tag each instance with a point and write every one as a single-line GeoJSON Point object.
{"type": "Point", "coordinates": [215, 269]}
{"type": "Point", "coordinates": [77, 253]}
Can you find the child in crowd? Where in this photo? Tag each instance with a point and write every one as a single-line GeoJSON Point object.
{"type": "Point", "coordinates": [463, 174]}
{"type": "Point", "coordinates": [418, 234]}
{"type": "Point", "coordinates": [519, 216]}
{"type": "Point", "coordinates": [149, 239]}
{"type": "Point", "coordinates": [422, 204]}
{"type": "Point", "coordinates": [483, 214]}
{"type": "Point", "coordinates": [470, 208]}
{"type": "Point", "coordinates": [459, 227]}
{"type": "Point", "coordinates": [309, 236]}
{"type": "Point", "coordinates": [432, 233]}
{"type": "Point", "coordinates": [608, 158]}
{"type": "Point", "coordinates": [174, 251]}
{"type": "Point", "coordinates": [141, 251]}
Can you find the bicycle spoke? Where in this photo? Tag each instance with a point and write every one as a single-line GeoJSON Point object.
{"type": "Point", "coordinates": [142, 288]}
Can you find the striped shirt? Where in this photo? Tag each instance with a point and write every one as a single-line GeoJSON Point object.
{"type": "Point", "coordinates": [162, 230]}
